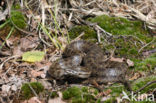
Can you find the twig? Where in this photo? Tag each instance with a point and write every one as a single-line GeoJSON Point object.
{"type": "Point", "coordinates": [133, 37]}
{"type": "Point", "coordinates": [145, 46]}
{"type": "Point", "coordinates": [96, 27]}
{"type": "Point", "coordinates": [7, 71]}
{"type": "Point", "coordinates": [149, 83]}
{"type": "Point", "coordinates": [8, 60]}
{"type": "Point", "coordinates": [109, 34]}
{"type": "Point", "coordinates": [33, 90]}
{"type": "Point", "coordinates": [98, 36]}
{"type": "Point", "coordinates": [40, 37]}
{"type": "Point", "coordinates": [77, 38]}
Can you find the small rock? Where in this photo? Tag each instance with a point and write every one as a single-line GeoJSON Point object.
{"type": "Point", "coordinates": [14, 87]}
{"type": "Point", "coordinates": [1, 81]}
{"type": "Point", "coordinates": [6, 88]}
{"type": "Point", "coordinates": [43, 76]}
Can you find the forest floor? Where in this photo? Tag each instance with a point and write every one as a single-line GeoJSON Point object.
{"type": "Point", "coordinates": [33, 34]}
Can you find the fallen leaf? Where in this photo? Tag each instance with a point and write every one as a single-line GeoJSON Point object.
{"type": "Point", "coordinates": [33, 100]}
{"type": "Point", "coordinates": [130, 63]}
{"type": "Point", "coordinates": [35, 73]}
{"type": "Point", "coordinates": [56, 100]}
{"type": "Point", "coordinates": [33, 56]}
{"type": "Point", "coordinates": [116, 59]}
{"type": "Point", "coordinates": [28, 43]}
{"type": "Point", "coordinates": [17, 51]}
{"type": "Point", "coordinates": [105, 93]}
{"type": "Point", "coordinates": [136, 76]}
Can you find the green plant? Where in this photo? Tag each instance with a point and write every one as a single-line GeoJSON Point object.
{"type": "Point", "coordinates": [89, 33]}
{"type": "Point", "coordinates": [27, 92]}
{"type": "Point", "coordinates": [16, 20]}
{"type": "Point", "coordinates": [80, 95]}
{"type": "Point", "coordinates": [142, 81]}
{"type": "Point", "coordinates": [54, 94]}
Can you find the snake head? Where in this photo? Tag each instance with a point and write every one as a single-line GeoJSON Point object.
{"type": "Point", "coordinates": [68, 67]}
{"type": "Point", "coordinates": [56, 71]}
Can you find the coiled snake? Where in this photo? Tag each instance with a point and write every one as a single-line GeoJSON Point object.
{"type": "Point", "coordinates": [83, 59]}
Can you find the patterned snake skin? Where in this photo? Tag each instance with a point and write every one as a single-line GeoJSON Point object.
{"type": "Point", "coordinates": [83, 59]}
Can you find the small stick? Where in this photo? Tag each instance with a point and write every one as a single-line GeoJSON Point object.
{"type": "Point", "coordinates": [33, 90]}
{"type": "Point", "coordinates": [8, 60]}
{"type": "Point", "coordinates": [149, 83]}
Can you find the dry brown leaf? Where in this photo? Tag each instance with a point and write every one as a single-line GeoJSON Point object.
{"type": "Point", "coordinates": [33, 80]}
{"type": "Point", "coordinates": [56, 100]}
{"type": "Point", "coordinates": [105, 93]}
{"type": "Point", "coordinates": [136, 76]}
{"type": "Point", "coordinates": [130, 63]}
{"type": "Point", "coordinates": [6, 88]}
{"type": "Point", "coordinates": [33, 100]}
{"type": "Point", "coordinates": [17, 50]}
{"type": "Point", "coordinates": [28, 43]}
{"type": "Point", "coordinates": [116, 59]}
{"type": "Point", "coordinates": [35, 73]}
{"type": "Point", "coordinates": [44, 65]}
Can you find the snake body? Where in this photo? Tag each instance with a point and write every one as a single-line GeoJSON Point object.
{"type": "Point", "coordinates": [83, 59]}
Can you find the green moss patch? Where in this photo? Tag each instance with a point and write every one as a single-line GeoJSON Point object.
{"type": "Point", "coordinates": [17, 17]}
{"type": "Point", "coordinates": [121, 26]}
{"type": "Point", "coordinates": [125, 47]}
{"type": "Point", "coordinates": [80, 95]}
{"type": "Point", "coordinates": [26, 91]}
{"type": "Point", "coordinates": [142, 81]}
{"type": "Point", "coordinates": [130, 35]}
{"type": "Point", "coordinates": [89, 33]}
{"type": "Point", "coordinates": [54, 94]}
{"type": "Point", "coordinates": [147, 64]}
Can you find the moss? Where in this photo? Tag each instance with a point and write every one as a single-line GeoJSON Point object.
{"type": "Point", "coordinates": [142, 81]}
{"type": "Point", "coordinates": [84, 89]}
{"type": "Point", "coordinates": [86, 98]}
{"type": "Point", "coordinates": [16, 6]}
{"type": "Point", "coordinates": [147, 64]}
{"type": "Point", "coordinates": [121, 26]}
{"type": "Point", "coordinates": [130, 35]}
{"type": "Point", "coordinates": [116, 89]}
{"type": "Point", "coordinates": [80, 95]}
{"type": "Point", "coordinates": [71, 92]}
{"type": "Point", "coordinates": [78, 100]}
{"type": "Point", "coordinates": [111, 100]}
{"type": "Point", "coordinates": [54, 94]}
{"type": "Point", "coordinates": [125, 47]}
{"type": "Point", "coordinates": [89, 33]}
{"type": "Point", "coordinates": [18, 19]}
{"type": "Point", "coordinates": [27, 93]}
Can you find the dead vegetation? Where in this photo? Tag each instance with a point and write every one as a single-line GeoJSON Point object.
{"type": "Point", "coordinates": [45, 27]}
